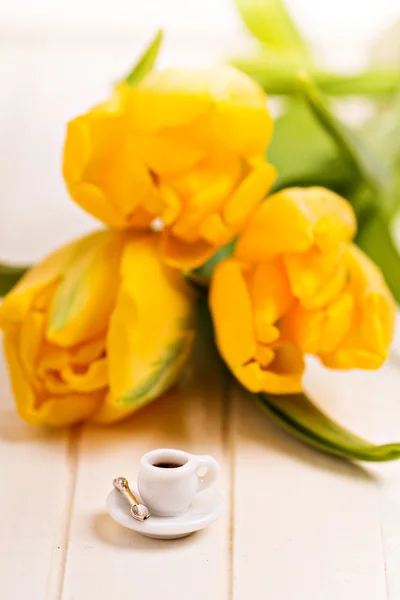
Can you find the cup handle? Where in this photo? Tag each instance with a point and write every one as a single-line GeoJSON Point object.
{"type": "Point", "coordinates": [212, 473]}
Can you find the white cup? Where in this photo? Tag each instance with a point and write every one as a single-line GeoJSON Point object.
{"type": "Point", "coordinates": [169, 479]}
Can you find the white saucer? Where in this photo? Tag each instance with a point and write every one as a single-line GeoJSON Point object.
{"type": "Point", "coordinates": [205, 509]}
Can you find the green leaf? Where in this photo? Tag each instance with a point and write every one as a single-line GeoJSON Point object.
{"type": "Point", "coordinates": [375, 238]}
{"type": "Point", "coordinates": [146, 61]}
{"type": "Point", "coordinates": [298, 415]}
{"type": "Point", "coordinates": [9, 276]}
{"type": "Point", "coordinates": [270, 23]}
{"type": "Point", "coordinates": [367, 166]}
{"type": "Point", "coordinates": [277, 74]}
{"type": "Point", "coordinates": [304, 153]}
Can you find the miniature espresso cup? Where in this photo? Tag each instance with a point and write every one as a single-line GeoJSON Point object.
{"type": "Point", "coordinates": [170, 479]}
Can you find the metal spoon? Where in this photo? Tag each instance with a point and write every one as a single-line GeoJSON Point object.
{"type": "Point", "coordinates": [138, 511]}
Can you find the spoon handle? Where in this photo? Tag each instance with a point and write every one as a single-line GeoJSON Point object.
{"type": "Point", "coordinates": [121, 484]}
{"type": "Point", "coordinates": [138, 511]}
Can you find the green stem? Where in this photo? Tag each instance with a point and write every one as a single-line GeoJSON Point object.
{"type": "Point", "coordinates": [281, 80]}
{"type": "Point", "coordinates": [199, 282]}
{"type": "Point", "coordinates": [350, 146]}
{"type": "Point", "coordinates": [299, 416]}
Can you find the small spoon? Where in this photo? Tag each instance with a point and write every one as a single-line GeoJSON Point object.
{"type": "Point", "coordinates": [138, 511]}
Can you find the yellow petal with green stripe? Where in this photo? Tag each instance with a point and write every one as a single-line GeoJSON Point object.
{"type": "Point", "coordinates": [151, 330]}
{"type": "Point", "coordinates": [35, 282]}
{"type": "Point", "coordinates": [86, 296]}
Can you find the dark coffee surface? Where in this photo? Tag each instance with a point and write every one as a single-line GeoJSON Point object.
{"type": "Point", "coordinates": [167, 465]}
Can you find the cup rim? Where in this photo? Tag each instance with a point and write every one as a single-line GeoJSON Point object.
{"type": "Point", "coordinates": [165, 455]}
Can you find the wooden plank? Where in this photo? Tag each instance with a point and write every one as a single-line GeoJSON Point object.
{"type": "Point", "coordinates": [388, 380]}
{"type": "Point", "coordinates": [305, 525]}
{"type": "Point", "coordinates": [108, 560]}
{"type": "Point", "coordinates": [36, 474]}
{"type": "Point", "coordinates": [35, 464]}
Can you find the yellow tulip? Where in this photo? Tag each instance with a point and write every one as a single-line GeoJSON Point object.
{"type": "Point", "coordinates": [183, 151]}
{"type": "Point", "coordinates": [96, 330]}
{"type": "Point", "coordinates": [355, 329]}
{"type": "Point", "coordinates": [296, 285]}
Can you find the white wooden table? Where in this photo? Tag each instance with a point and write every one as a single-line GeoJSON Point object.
{"type": "Point", "coordinates": [298, 525]}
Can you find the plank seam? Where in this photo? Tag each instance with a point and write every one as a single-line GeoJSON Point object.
{"type": "Point", "coordinates": [230, 453]}
{"type": "Point", "coordinates": [381, 489]}
{"type": "Point", "coordinates": [60, 553]}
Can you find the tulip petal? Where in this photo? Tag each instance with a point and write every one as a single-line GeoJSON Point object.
{"type": "Point", "coordinates": [288, 362]}
{"type": "Point", "coordinates": [77, 150]}
{"type": "Point", "coordinates": [169, 98]}
{"type": "Point", "coordinates": [61, 371]}
{"type": "Point", "coordinates": [234, 103]}
{"type": "Point", "coordinates": [88, 138]}
{"type": "Point", "coordinates": [304, 328]}
{"type": "Point", "coordinates": [52, 359]}
{"type": "Point", "coordinates": [182, 255]}
{"type": "Point", "coordinates": [271, 297]}
{"type": "Point", "coordinates": [231, 310]}
{"type": "Point", "coordinates": [95, 378]}
{"type": "Point", "coordinates": [171, 204]}
{"type": "Point", "coordinates": [151, 329]}
{"type": "Point", "coordinates": [24, 394]}
{"type": "Point", "coordinates": [351, 355]}
{"type": "Point", "coordinates": [53, 385]}
{"type": "Point", "coordinates": [367, 343]}
{"type": "Point", "coordinates": [110, 412]}
{"type": "Point", "coordinates": [373, 297]}
{"type": "Point", "coordinates": [264, 355]}
{"type": "Point", "coordinates": [338, 320]}
{"type": "Point", "coordinates": [320, 331]}
{"type": "Point", "coordinates": [296, 219]}
{"type": "Point", "coordinates": [30, 341]}
{"type": "Point", "coordinates": [282, 376]}
{"type": "Point", "coordinates": [93, 200]}
{"type": "Point", "coordinates": [87, 352]}
{"type": "Point", "coordinates": [251, 191]}
{"type": "Point", "coordinates": [334, 286]}
{"type": "Point", "coordinates": [204, 190]}
{"type": "Point", "coordinates": [311, 271]}
{"type": "Point", "coordinates": [335, 220]}
{"type": "Point", "coordinates": [378, 323]}
{"type": "Point", "coordinates": [35, 282]}
{"type": "Point", "coordinates": [38, 410]}
{"type": "Point", "coordinates": [280, 225]}
{"type": "Point", "coordinates": [70, 409]}
{"type": "Point", "coordinates": [240, 120]}
{"type": "Point", "coordinates": [102, 168]}
{"type": "Point", "coordinates": [84, 299]}
{"type": "Point", "coordinates": [214, 231]}
{"type": "Point", "coordinates": [166, 153]}
{"type": "Point", "coordinates": [265, 333]}
{"type": "Point", "coordinates": [126, 181]}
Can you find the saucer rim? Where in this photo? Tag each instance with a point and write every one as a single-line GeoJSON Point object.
{"type": "Point", "coordinates": [162, 525]}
